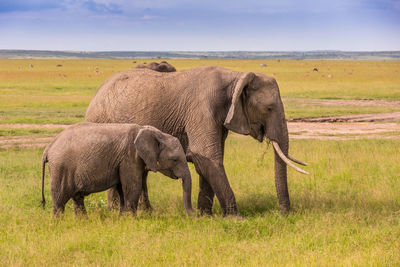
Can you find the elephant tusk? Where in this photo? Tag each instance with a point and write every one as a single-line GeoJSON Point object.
{"type": "Point", "coordinates": [285, 159]}
{"type": "Point", "coordinates": [297, 161]}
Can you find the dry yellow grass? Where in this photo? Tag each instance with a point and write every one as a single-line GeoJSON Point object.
{"type": "Point", "coordinates": [29, 94]}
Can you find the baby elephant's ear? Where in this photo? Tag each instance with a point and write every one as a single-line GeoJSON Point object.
{"type": "Point", "coordinates": [148, 147]}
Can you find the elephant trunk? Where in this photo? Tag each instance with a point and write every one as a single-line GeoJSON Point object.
{"type": "Point", "coordinates": [277, 132]}
{"type": "Point", "coordinates": [281, 173]}
{"type": "Point", "coordinates": [187, 192]}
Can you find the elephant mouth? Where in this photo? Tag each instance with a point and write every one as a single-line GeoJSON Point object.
{"type": "Point", "coordinates": [262, 130]}
{"type": "Point", "coordinates": [169, 173]}
{"type": "Point", "coordinates": [258, 131]}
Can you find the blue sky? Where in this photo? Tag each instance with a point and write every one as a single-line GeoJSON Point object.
{"type": "Point", "coordinates": [183, 25]}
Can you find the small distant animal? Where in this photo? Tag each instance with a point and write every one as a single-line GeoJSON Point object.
{"type": "Point", "coordinates": [263, 65]}
{"type": "Point", "coordinates": [163, 66]}
{"type": "Point", "coordinates": [31, 65]}
{"type": "Point", "coordinates": [58, 65]}
{"type": "Point", "coordinates": [315, 69]}
{"type": "Point", "coordinates": [134, 62]}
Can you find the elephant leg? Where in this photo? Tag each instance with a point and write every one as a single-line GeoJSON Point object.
{"type": "Point", "coordinates": [144, 202]}
{"type": "Point", "coordinates": [207, 153]}
{"type": "Point", "coordinates": [113, 198]}
{"type": "Point", "coordinates": [59, 191]}
{"type": "Point", "coordinates": [206, 196]}
{"type": "Point", "coordinates": [213, 172]}
{"type": "Point", "coordinates": [79, 206]}
{"type": "Point", "coordinates": [132, 190]}
{"type": "Point", "coordinates": [59, 202]}
{"type": "Point", "coordinates": [206, 193]}
{"type": "Point", "coordinates": [131, 182]}
{"type": "Point", "coordinates": [121, 197]}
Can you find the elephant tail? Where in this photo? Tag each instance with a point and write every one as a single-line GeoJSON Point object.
{"type": "Point", "coordinates": [44, 160]}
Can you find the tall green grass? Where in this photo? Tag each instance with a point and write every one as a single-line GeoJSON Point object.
{"type": "Point", "coordinates": [347, 212]}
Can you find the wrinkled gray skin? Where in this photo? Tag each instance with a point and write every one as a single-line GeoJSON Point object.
{"type": "Point", "coordinates": [163, 66]}
{"type": "Point", "coordinates": [199, 106]}
{"type": "Point", "coordinates": [90, 157]}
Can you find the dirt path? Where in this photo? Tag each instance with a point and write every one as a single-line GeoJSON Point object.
{"type": "Point", "coordinates": [297, 130]}
{"type": "Point", "coordinates": [34, 126]}
{"type": "Point", "coordinates": [25, 141]}
{"type": "Point", "coordinates": [382, 125]}
{"type": "Point", "coordinates": [378, 117]}
{"type": "Point", "coordinates": [334, 102]}
{"type": "Point", "coordinates": [343, 131]}
{"type": "Point", "coordinates": [28, 140]}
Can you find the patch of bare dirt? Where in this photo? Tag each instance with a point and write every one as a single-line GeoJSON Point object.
{"type": "Point", "coordinates": [25, 141]}
{"type": "Point", "coordinates": [334, 102]}
{"type": "Point", "coordinates": [28, 140]}
{"type": "Point", "coordinates": [378, 117]}
{"type": "Point", "coordinates": [330, 128]}
{"type": "Point", "coordinates": [33, 126]}
{"type": "Point", "coordinates": [343, 131]}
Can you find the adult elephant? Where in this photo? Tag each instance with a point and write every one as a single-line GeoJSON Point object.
{"type": "Point", "coordinates": [199, 106]}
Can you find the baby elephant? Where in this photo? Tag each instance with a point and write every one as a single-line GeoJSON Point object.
{"type": "Point", "coordinates": [89, 157]}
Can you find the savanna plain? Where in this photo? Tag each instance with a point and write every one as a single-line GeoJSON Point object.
{"type": "Point", "coordinates": [346, 212]}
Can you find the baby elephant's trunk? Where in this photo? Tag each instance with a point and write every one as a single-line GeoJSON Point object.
{"type": "Point", "coordinates": [187, 192]}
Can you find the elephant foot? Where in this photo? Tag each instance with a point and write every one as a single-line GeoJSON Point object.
{"type": "Point", "coordinates": [285, 210]}
{"type": "Point", "coordinates": [145, 206]}
{"type": "Point", "coordinates": [205, 206]}
{"type": "Point", "coordinates": [231, 210]}
{"type": "Point", "coordinates": [205, 211]}
{"type": "Point", "coordinates": [113, 205]}
{"type": "Point", "coordinates": [144, 202]}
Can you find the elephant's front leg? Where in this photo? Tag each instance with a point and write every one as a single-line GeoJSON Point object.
{"type": "Point", "coordinates": [206, 196]}
{"type": "Point", "coordinates": [212, 171]}
{"type": "Point", "coordinates": [144, 201]}
{"type": "Point", "coordinates": [131, 175]}
{"type": "Point", "coordinates": [131, 188]}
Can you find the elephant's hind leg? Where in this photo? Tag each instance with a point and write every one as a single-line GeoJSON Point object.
{"type": "Point", "coordinates": [79, 206]}
{"type": "Point", "coordinates": [59, 193]}
{"type": "Point", "coordinates": [59, 204]}
{"type": "Point", "coordinates": [121, 197]}
{"type": "Point", "coordinates": [113, 198]}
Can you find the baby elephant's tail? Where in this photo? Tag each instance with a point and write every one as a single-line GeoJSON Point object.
{"type": "Point", "coordinates": [44, 160]}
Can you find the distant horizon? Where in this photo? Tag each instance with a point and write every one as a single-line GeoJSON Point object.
{"type": "Point", "coordinates": [296, 55]}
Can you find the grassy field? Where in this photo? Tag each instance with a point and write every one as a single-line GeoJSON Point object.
{"type": "Point", "coordinates": [50, 94]}
{"type": "Point", "coordinates": [346, 213]}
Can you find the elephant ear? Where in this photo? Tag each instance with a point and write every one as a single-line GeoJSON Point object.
{"type": "Point", "coordinates": [148, 147]}
{"type": "Point", "coordinates": [237, 120]}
